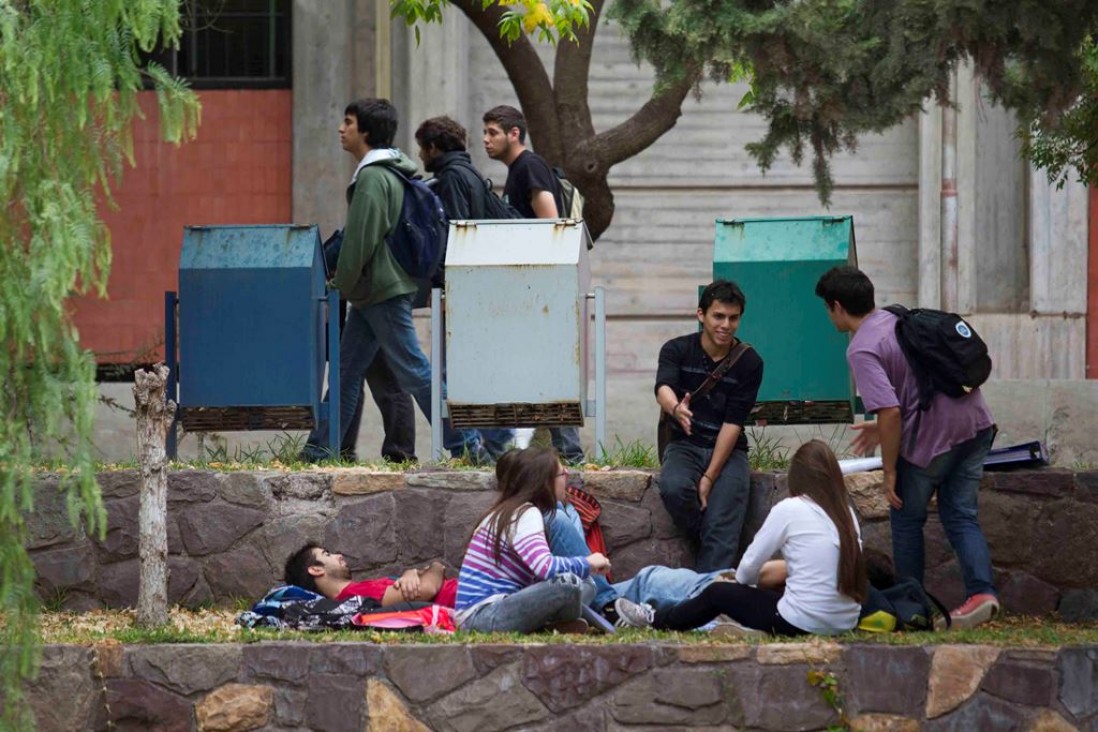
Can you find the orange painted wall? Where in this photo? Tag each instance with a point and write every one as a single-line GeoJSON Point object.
{"type": "Point", "coordinates": [237, 171]}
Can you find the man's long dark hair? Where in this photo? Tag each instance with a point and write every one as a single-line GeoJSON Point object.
{"type": "Point", "coordinates": [814, 472]}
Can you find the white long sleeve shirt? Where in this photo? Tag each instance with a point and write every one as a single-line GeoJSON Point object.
{"type": "Point", "coordinates": [809, 542]}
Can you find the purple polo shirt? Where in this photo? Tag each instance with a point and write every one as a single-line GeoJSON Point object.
{"type": "Point", "coordinates": [885, 380]}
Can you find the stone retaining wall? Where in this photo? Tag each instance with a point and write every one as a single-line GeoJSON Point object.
{"type": "Point", "coordinates": [331, 687]}
{"type": "Point", "coordinates": [229, 533]}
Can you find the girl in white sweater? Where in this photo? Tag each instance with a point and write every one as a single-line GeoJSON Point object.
{"type": "Point", "coordinates": [817, 534]}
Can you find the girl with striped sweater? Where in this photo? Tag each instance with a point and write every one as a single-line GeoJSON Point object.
{"type": "Point", "coordinates": [510, 581]}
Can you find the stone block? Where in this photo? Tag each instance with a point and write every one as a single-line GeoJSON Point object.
{"type": "Point", "coordinates": [290, 705]}
{"type": "Point", "coordinates": [65, 694]}
{"type": "Point", "coordinates": [802, 705]}
{"type": "Point", "coordinates": [420, 518]}
{"type": "Point", "coordinates": [955, 674]}
{"type": "Point", "coordinates": [1086, 486]}
{"type": "Point", "coordinates": [1022, 682]}
{"type": "Point", "coordinates": [867, 492]}
{"type": "Point", "coordinates": [983, 712]}
{"type": "Point", "coordinates": [623, 524]}
{"type": "Point", "coordinates": [724, 653]}
{"type": "Point", "coordinates": [246, 489]}
{"type": "Point", "coordinates": [450, 667]}
{"type": "Point", "coordinates": [1078, 690]}
{"type": "Point", "coordinates": [1079, 606]}
{"type": "Point", "coordinates": [120, 541]}
{"type": "Point", "coordinates": [366, 532]}
{"type": "Point", "coordinates": [110, 656]}
{"type": "Point", "coordinates": [211, 528]}
{"type": "Point", "coordinates": [361, 481]}
{"type": "Point", "coordinates": [48, 524]}
{"type": "Point", "coordinates": [477, 707]}
{"type": "Point", "coordinates": [662, 525]}
{"type": "Point", "coordinates": [281, 536]}
{"type": "Point", "coordinates": [489, 656]}
{"type": "Point", "coordinates": [665, 697]}
{"type": "Point", "coordinates": [667, 552]}
{"type": "Point", "coordinates": [242, 573]}
{"type": "Point", "coordinates": [135, 704]}
{"type": "Point", "coordinates": [185, 668]}
{"type": "Point", "coordinates": [298, 494]}
{"type": "Point", "coordinates": [1072, 528]}
{"type": "Point", "coordinates": [116, 584]}
{"type": "Point", "coordinates": [462, 514]}
{"type": "Point", "coordinates": [886, 679]}
{"type": "Point", "coordinates": [462, 480]}
{"type": "Point", "coordinates": [386, 712]}
{"type": "Point", "coordinates": [946, 583]}
{"type": "Point", "coordinates": [618, 485]}
{"type": "Point", "coordinates": [1049, 721]}
{"type": "Point", "coordinates": [1045, 482]}
{"type": "Point", "coordinates": [815, 652]}
{"type": "Point", "coordinates": [565, 676]}
{"type": "Point", "coordinates": [1023, 594]}
{"type": "Point", "coordinates": [235, 708]}
{"type": "Point", "coordinates": [354, 659]}
{"type": "Point", "coordinates": [183, 574]}
{"type": "Point", "coordinates": [192, 486]}
{"type": "Point", "coordinates": [119, 483]}
{"type": "Point", "coordinates": [335, 703]}
{"type": "Point", "coordinates": [883, 723]}
{"type": "Point", "coordinates": [63, 569]}
{"type": "Point", "coordinates": [283, 662]}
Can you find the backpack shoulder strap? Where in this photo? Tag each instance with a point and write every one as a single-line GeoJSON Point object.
{"type": "Point", "coordinates": [896, 309]}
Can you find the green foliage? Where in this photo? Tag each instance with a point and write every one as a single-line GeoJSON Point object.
{"type": "Point", "coordinates": [1068, 146]}
{"type": "Point", "coordinates": [69, 76]}
{"type": "Point", "coordinates": [549, 20]}
{"type": "Point", "coordinates": [635, 454]}
{"type": "Point", "coordinates": [828, 684]}
{"type": "Point", "coordinates": [767, 451]}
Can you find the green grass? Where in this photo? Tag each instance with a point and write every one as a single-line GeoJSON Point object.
{"type": "Point", "coordinates": [635, 454]}
{"type": "Point", "coordinates": [767, 451]}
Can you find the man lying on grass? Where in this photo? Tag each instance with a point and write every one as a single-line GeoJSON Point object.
{"type": "Point", "coordinates": [318, 570]}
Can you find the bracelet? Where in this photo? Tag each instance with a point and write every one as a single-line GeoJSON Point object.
{"type": "Point", "coordinates": [675, 408]}
{"type": "Point", "coordinates": [706, 476]}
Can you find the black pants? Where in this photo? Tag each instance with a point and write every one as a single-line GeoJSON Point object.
{"type": "Point", "coordinates": [748, 606]}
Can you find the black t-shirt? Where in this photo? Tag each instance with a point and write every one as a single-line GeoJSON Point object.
{"type": "Point", "coordinates": [683, 366]}
{"type": "Point", "coordinates": [529, 172]}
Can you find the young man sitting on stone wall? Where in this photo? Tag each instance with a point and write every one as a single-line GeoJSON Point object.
{"type": "Point", "coordinates": [318, 570]}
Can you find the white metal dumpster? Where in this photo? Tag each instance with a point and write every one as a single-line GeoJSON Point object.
{"type": "Point", "coordinates": [516, 314]}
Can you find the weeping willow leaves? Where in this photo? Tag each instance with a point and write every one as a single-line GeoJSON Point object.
{"type": "Point", "coordinates": [70, 71]}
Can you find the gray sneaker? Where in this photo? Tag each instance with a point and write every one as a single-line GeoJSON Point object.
{"type": "Point", "coordinates": [634, 615]}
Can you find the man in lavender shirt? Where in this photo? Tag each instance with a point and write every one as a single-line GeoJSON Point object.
{"type": "Point", "coordinates": [940, 449]}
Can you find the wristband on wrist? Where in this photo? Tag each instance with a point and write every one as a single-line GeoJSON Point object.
{"type": "Point", "coordinates": [706, 476]}
{"type": "Point", "coordinates": [675, 408]}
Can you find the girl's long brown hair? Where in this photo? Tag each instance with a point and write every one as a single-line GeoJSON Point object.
{"type": "Point", "coordinates": [814, 472]}
{"type": "Point", "coordinates": [523, 476]}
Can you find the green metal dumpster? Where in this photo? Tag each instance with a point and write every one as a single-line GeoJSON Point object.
{"type": "Point", "coordinates": [777, 263]}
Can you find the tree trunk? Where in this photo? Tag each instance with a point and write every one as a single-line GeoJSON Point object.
{"type": "Point", "coordinates": [154, 418]}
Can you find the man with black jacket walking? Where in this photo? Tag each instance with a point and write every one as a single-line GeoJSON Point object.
{"type": "Point", "coordinates": [465, 194]}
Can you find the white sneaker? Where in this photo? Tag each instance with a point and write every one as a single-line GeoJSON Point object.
{"type": "Point", "coordinates": [634, 615]}
{"type": "Point", "coordinates": [726, 627]}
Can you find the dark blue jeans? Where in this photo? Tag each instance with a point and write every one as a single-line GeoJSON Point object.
{"type": "Point", "coordinates": [385, 326]}
{"type": "Point", "coordinates": [955, 475]}
{"type": "Point", "coordinates": [717, 529]}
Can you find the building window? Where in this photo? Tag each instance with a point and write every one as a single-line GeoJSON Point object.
{"type": "Point", "coordinates": [232, 44]}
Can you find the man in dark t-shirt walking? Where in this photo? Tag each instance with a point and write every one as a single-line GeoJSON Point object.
{"type": "Point", "coordinates": [705, 479]}
{"type": "Point", "coordinates": [532, 188]}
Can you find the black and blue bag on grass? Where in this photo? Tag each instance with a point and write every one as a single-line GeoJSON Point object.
{"type": "Point", "coordinates": [906, 605]}
{"type": "Point", "coordinates": [418, 242]}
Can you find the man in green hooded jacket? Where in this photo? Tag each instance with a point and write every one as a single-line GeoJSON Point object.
{"type": "Point", "coordinates": [367, 275]}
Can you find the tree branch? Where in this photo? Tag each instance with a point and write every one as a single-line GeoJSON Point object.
{"type": "Point", "coordinates": [524, 69]}
{"type": "Point", "coordinates": [570, 80]}
{"type": "Point", "coordinates": [657, 116]}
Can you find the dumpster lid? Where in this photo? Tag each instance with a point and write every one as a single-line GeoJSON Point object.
{"type": "Point", "coordinates": [516, 242]}
{"type": "Point", "coordinates": [260, 246]}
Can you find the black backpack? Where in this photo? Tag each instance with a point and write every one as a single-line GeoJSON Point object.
{"type": "Point", "coordinates": [906, 605]}
{"type": "Point", "coordinates": [418, 242]}
{"type": "Point", "coordinates": [944, 351]}
{"type": "Point", "coordinates": [494, 206]}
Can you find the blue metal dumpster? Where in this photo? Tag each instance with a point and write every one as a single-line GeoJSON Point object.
{"type": "Point", "coordinates": [777, 263]}
{"type": "Point", "coordinates": [251, 318]}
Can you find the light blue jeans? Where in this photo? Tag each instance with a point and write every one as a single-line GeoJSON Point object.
{"type": "Point", "coordinates": [955, 475]}
{"type": "Point", "coordinates": [385, 326]}
{"type": "Point", "coordinates": [565, 532]}
{"type": "Point", "coordinates": [663, 587]}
